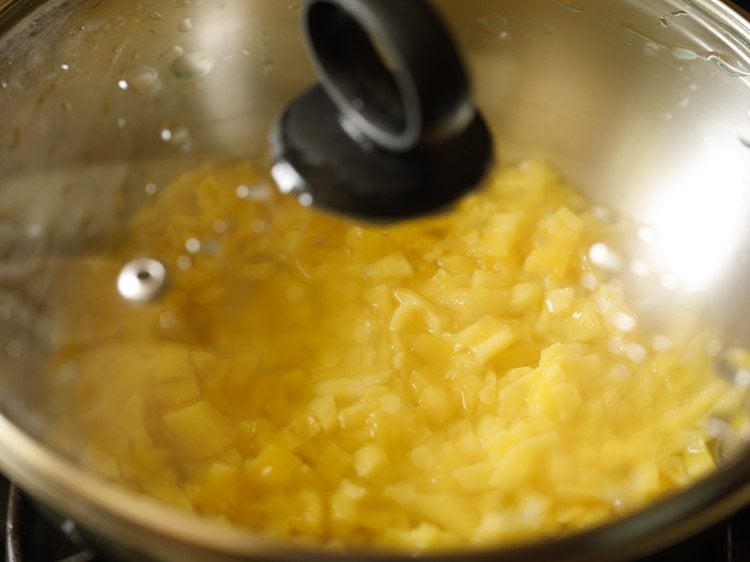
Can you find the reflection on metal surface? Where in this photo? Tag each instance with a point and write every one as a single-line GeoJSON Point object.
{"type": "Point", "coordinates": [144, 279]}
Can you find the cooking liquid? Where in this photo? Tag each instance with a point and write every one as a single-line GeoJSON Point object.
{"type": "Point", "coordinates": [467, 378]}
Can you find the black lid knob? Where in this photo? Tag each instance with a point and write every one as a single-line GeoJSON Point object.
{"type": "Point", "coordinates": [392, 130]}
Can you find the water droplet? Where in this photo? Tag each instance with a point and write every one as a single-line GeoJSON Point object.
{"type": "Point", "coordinates": [192, 65]}
{"type": "Point", "coordinates": [623, 322]}
{"type": "Point", "coordinates": [570, 6]}
{"type": "Point", "coordinates": [682, 53]}
{"type": "Point", "coordinates": [549, 30]}
{"type": "Point", "coordinates": [603, 214]}
{"type": "Point", "coordinates": [3, 85]}
{"type": "Point", "coordinates": [667, 116]}
{"type": "Point", "coordinates": [258, 226]}
{"type": "Point", "coordinates": [155, 15]}
{"type": "Point", "coordinates": [745, 138]}
{"type": "Point", "coordinates": [185, 25]}
{"type": "Point", "coordinates": [640, 268]}
{"type": "Point", "coordinates": [193, 245]}
{"type": "Point", "coordinates": [220, 226]}
{"type": "Point", "coordinates": [139, 78]}
{"type": "Point", "coordinates": [151, 188]}
{"type": "Point", "coordinates": [605, 257]}
{"type": "Point", "coordinates": [184, 263]}
{"type": "Point", "coordinates": [167, 320]}
{"type": "Point", "coordinates": [178, 136]}
{"type": "Point", "coordinates": [121, 122]}
{"type": "Point", "coordinates": [122, 84]}
{"type": "Point", "coordinates": [35, 230]}
{"type": "Point", "coordinates": [306, 200]}
{"type": "Point", "coordinates": [589, 281]}
{"type": "Point", "coordinates": [65, 66]}
{"type": "Point", "coordinates": [14, 349]}
{"type": "Point", "coordinates": [684, 102]}
{"type": "Point", "coordinates": [636, 353]}
{"type": "Point", "coordinates": [661, 342]}
{"type": "Point", "coordinates": [66, 105]}
{"type": "Point", "coordinates": [494, 23]}
{"type": "Point", "coordinates": [646, 234]}
{"type": "Point", "coordinates": [173, 52]}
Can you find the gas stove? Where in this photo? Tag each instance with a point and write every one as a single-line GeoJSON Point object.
{"type": "Point", "coordinates": [31, 536]}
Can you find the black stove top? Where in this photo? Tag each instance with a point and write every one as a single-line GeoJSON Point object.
{"type": "Point", "coordinates": [29, 536]}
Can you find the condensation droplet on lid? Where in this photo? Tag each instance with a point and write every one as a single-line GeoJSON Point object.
{"type": "Point", "coordinates": [258, 226]}
{"type": "Point", "coordinates": [121, 122]}
{"type": "Point", "coordinates": [640, 268]}
{"type": "Point", "coordinates": [184, 263]}
{"type": "Point", "coordinates": [605, 257]}
{"type": "Point", "coordinates": [65, 66]}
{"type": "Point", "coordinates": [193, 245]}
{"type": "Point", "coordinates": [220, 226]}
{"type": "Point", "coordinates": [636, 353]}
{"type": "Point", "coordinates": [603, 214]}
{"type": "Point", "coordinates": [661, 342]}
{"type": "Point", "coordinates": [494, 23]}
{"type": "Point", "coordinates": [684, 102]}
{"type": "Point", "coordinates": [14, 349]}
{"type": "Point", "coordinates": [3, 85]}
{"type": "Point", "coordinates": [155, 15]}
{"type": "Point", "coordinates": [35, 230]}
{"type": "Point", "coordinates": [549, 30]}
{"type": "Point", "coordinates": [173, 52]}
{"type": "Point", "coordinates": [683, 53]}
{"type": "Point", "coordinates": [667, 116]}
{"type": "Point", "coordinates": [66, 106]}
{"type": "Point", "coordinates": [192, 65]}
{"type": "Point", "coordinates": [122, 84]}
{"type": "Point", "coordinates": [589, 281]}
{"type": "Point", "coordinates": [306, 200]}
{"type": "Point", "coordinates": [151, 188]}
{"type": "Point", "coordinates": [185, 25]}
{"type": "Point", "coordinates": [140, 78]}
{"type": "Point", "coordinates": [624, 322]}
{"type": "Point", "coordinates": [167, 320]}
{"type": "Point", "coordinates": [258, 192]}
{"type": "Point", "coordinates": [570, 6]}
{"type": "Point", "coordinates": [166, 134]}
{"type": "Point", "coordinates": [745, 139]}
{"type": "Point", "coordinates": [646, 234]}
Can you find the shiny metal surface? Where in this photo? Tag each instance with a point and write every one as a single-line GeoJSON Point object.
{"type": "Point", "coordinates": [644, 104]}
